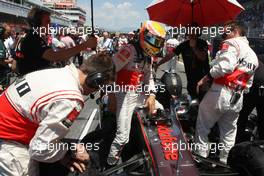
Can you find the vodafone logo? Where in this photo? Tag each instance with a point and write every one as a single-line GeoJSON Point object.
{"type": "Point", "coordinates": [167, 142]}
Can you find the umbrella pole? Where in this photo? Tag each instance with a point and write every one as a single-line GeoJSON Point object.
{"type": "Point", "coordinates": [92, 17]}
{"type": "Point", "coordinates": [92, 21]}
{"type": "Point", "coordinates": [192, 10]}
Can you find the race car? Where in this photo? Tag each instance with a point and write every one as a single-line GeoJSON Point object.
{"type": "Point", "coordinates": [153, 150]}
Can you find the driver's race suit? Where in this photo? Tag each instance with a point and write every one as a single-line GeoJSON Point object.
{"type": "Point", "coordinates": [134, 81]}
{"type": "Point", "coordinates": [232, 72]}
{"type": "Point", "coordinates": [36, 112]}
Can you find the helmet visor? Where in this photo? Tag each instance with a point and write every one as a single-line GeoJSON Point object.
{"type": "Point", "coordinates": [153, 40]}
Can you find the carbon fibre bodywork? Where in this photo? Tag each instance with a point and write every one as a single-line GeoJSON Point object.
{"type": "Point", "coordinates": [163, 139]}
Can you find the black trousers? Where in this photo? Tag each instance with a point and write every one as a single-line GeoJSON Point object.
{"type": "Point", "coordinates": [251, 100]}
{"type": "Point", "coordinates": [192, 90]}
{"type": "Point", "coordinates": [4, 80]}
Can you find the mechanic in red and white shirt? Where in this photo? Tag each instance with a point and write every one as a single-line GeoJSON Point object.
{"type": "Point", "coordinates": [37, 110]}
{"type": "Point", "coordinates": [135, 81]}
{"type": "Point", "coordinates": [232, 75]}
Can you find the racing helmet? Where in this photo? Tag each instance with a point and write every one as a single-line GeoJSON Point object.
{"type": "Point", "coordinates": [173, 83]}
{"type": "Point", "coordinates": [152, 37]}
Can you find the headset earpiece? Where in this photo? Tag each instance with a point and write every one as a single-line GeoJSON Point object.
{"type": "Point", "coordinates": [95, 80]}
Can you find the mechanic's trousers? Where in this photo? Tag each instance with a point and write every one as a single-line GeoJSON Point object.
{"type": "Point", "coordinates": [126, 103]}
{"type": "Point", "coordinates": [251, 100]}
{"type": "Point", "coordinates": [171, 66]}
{"type": "Point", "coordinates": [15, 160]}
{"type": "Point", "coordinates": [215, 108]}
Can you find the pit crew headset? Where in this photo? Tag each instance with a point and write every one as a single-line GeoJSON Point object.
{"type": "Point", "coordinates": [96, 79]}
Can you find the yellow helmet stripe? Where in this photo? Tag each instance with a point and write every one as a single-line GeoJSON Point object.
{"type": "Point", "coordinates": [156, 28]}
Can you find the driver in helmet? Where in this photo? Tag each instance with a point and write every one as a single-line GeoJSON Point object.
{"type": "Point", "coordinates": [135, 80]}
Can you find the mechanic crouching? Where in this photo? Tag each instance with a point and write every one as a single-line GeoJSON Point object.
{"type": "Point", "coordinates": [232, 75]}
{"type": "Point", "coordinates": [37, 110]}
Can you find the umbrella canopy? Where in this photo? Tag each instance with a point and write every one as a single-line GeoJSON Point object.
{"type": "Point", "coordinates": [184, 12]}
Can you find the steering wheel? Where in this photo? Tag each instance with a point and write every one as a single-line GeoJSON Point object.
{"type": "Point", "coordinates": [159, 117]}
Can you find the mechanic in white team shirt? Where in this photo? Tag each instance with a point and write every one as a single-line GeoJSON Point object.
{"type": "Point", "coordinates": [232, 75]}
{"type": "Point", "coordinates": [37, 110]}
